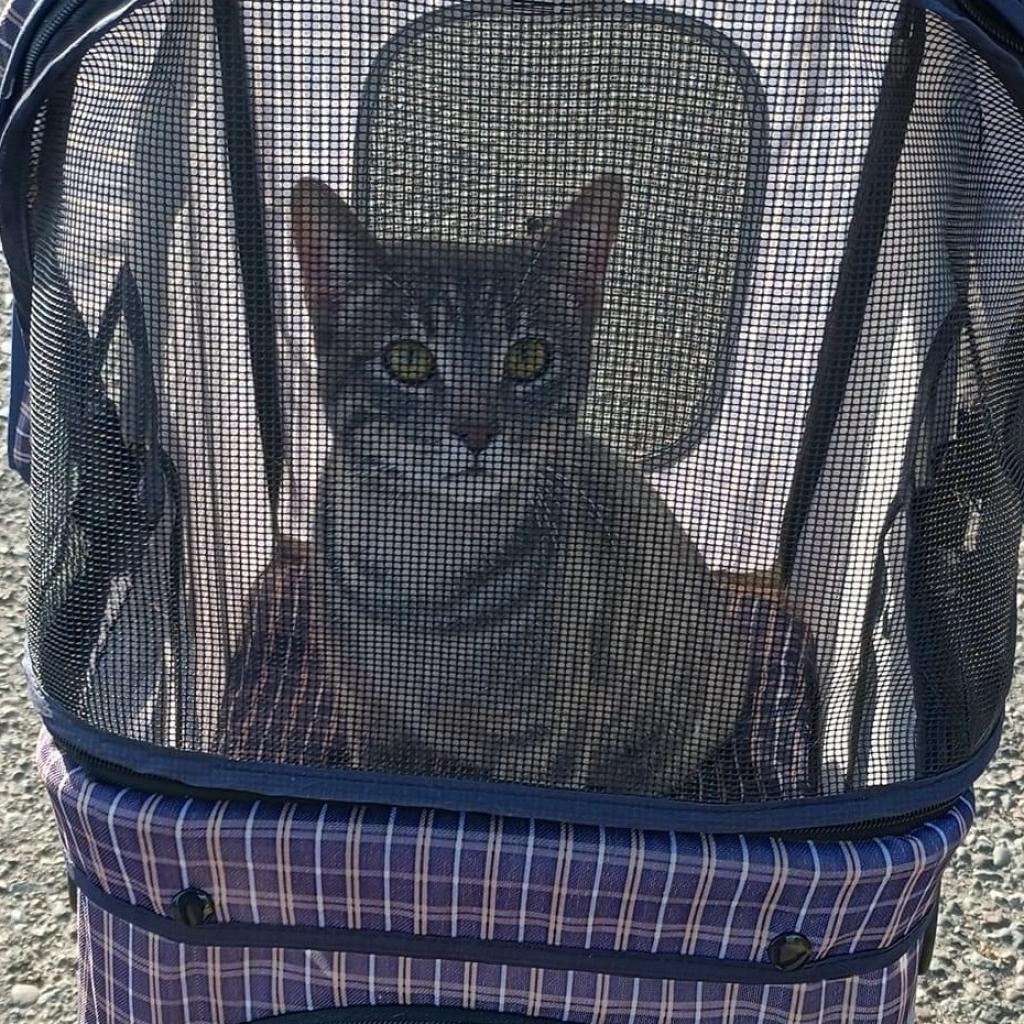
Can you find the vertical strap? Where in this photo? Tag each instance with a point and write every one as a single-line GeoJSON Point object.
{"type": "Point", "coordinates": [19, 451]}
{"type": "Point", "coordinates": [250, 235]}
{"type": "Point", "coordinates": [159, 492]}
{"type": "Point", "coordinates": [862, 721]}
{"type": "Point", "coordinates": [1011, 370]}
{"type": "Point", "coordinates": [856, 276]}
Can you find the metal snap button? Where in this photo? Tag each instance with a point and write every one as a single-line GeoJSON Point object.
{"type": "Point", "coordinates": [790, 951]}
{"type": "Point", "coordinates": [192, 907]}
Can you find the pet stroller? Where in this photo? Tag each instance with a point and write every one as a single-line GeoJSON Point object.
{"type": "Point", "coordinates": [526, 495]}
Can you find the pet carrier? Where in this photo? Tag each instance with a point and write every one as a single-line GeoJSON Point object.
{"type": "Point", "coordinates": [526, 495]}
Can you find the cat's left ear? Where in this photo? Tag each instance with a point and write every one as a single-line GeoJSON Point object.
{"type": "Point", "coordinates": [574, 253]}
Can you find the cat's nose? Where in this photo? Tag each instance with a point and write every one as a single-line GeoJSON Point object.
{"type": "Point", "coordinates": [475, 435]}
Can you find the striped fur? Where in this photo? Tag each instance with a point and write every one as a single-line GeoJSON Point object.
{"type": "Point", "coordinates": [497, 593]}
{"type": "Point", "coordinates": [278, 708]}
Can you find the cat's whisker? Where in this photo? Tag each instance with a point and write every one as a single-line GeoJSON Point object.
{"type": "Point", "coordinates": [550, 524]}
{"type": "Point", "coordinates": [576, 492]}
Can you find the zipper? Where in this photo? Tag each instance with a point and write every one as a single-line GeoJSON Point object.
{"type": "Point", "coordinates": [118, 775]}
{"type": "Point", "coordinates": [53, 24]}
{"type": "Point", "coordinates": [405, 1015]}
{"type": "Point", "coordinates": [114, 774]}
{"type": "Point", "coordinates": [994, 24]}
{"type": "Point", "coordinates": [660, 966]}
{"type": "Point", "coordinates": [873, 828]}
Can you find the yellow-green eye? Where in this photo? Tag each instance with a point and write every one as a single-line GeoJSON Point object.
{"type": "Point", "coordinates": [526, 360]}
{"type": "Point", "coordinates": [410, 362]}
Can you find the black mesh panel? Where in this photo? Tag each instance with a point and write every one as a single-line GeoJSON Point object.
{"type": "Point", "coordinates": [603, 397]}
{"type": "Point", "coordinates": [454, 147]}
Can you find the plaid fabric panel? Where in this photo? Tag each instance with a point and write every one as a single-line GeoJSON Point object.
{"type": "Point", "coordinates": [12, 18]}
{"type": "Point", "coordinates": [466, 876]}
{"type": "Point", "coordinates": [772, 755]}
{"type": "Point", "coordinates": [131, 977]}
{"type": "Point", "coordinates": [21, 453]}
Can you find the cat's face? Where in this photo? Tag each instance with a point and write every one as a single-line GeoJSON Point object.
{"type": "Point", "coordinates": [453, 372]}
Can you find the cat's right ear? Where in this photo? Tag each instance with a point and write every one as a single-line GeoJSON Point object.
{"type": "Point", "coordinates": [335, 250]}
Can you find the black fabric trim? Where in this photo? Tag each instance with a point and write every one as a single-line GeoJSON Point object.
{"type": "Point", "coordinates": [183, 772]}
{"type": "Point", "coordinates": [407, 1013]}
{"type": "Point", "coordinates": [250, 233]}
{"type": "Point", "coordinates": [856, 277]}
{"type": "Point", "coordinates": [492, 951]}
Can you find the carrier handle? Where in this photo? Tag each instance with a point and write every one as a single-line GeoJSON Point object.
{"type": "Point", "coordinates": [250, 235]}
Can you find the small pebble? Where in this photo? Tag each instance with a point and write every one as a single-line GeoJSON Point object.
{"type": "Point", "coordinates": [25, 888]}
{"type": "Point", "coordinates": [1001, 857]}
{"type": "Point", "coordinates": [24, 995]}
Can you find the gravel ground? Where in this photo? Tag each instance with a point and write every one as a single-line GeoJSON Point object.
{"type": "Point", "coordinates": [977, 973]}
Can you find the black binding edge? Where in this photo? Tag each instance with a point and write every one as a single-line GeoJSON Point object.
{"type": "Point", "coordinates": [626, 963]}
{"type": "Point", "coordinates": [250, 234]}
{"type": "Point", "coordinates": [408, 1013]}
{"type": "Point", "coordinates": [856, 277]}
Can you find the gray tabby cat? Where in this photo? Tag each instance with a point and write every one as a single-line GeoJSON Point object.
{"type": "Point", "coordinates": [498, 594]}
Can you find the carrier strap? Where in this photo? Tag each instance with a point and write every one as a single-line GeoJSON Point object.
{"type": "Point", "coordinates": [250, 234]}
{"type": "Point", "coordinates": [856, 277]}
{"type": "Point", "coordinates": [499, 952]}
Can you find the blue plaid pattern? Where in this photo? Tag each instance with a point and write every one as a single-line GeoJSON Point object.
{"type": "Point", "coordinates": [11, 19]}
{"type": "Point", "coordinates": [132, 977]}
{"type": "Point", "coordinates": [21, 452]}
{"type": "Point", "coordinates": [480, 878]}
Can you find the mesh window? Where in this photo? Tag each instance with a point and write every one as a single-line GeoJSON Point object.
{"type": "Point", "coordinates": [607, 397]}
{"type": "Point", "coordinates": [454, 147]}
